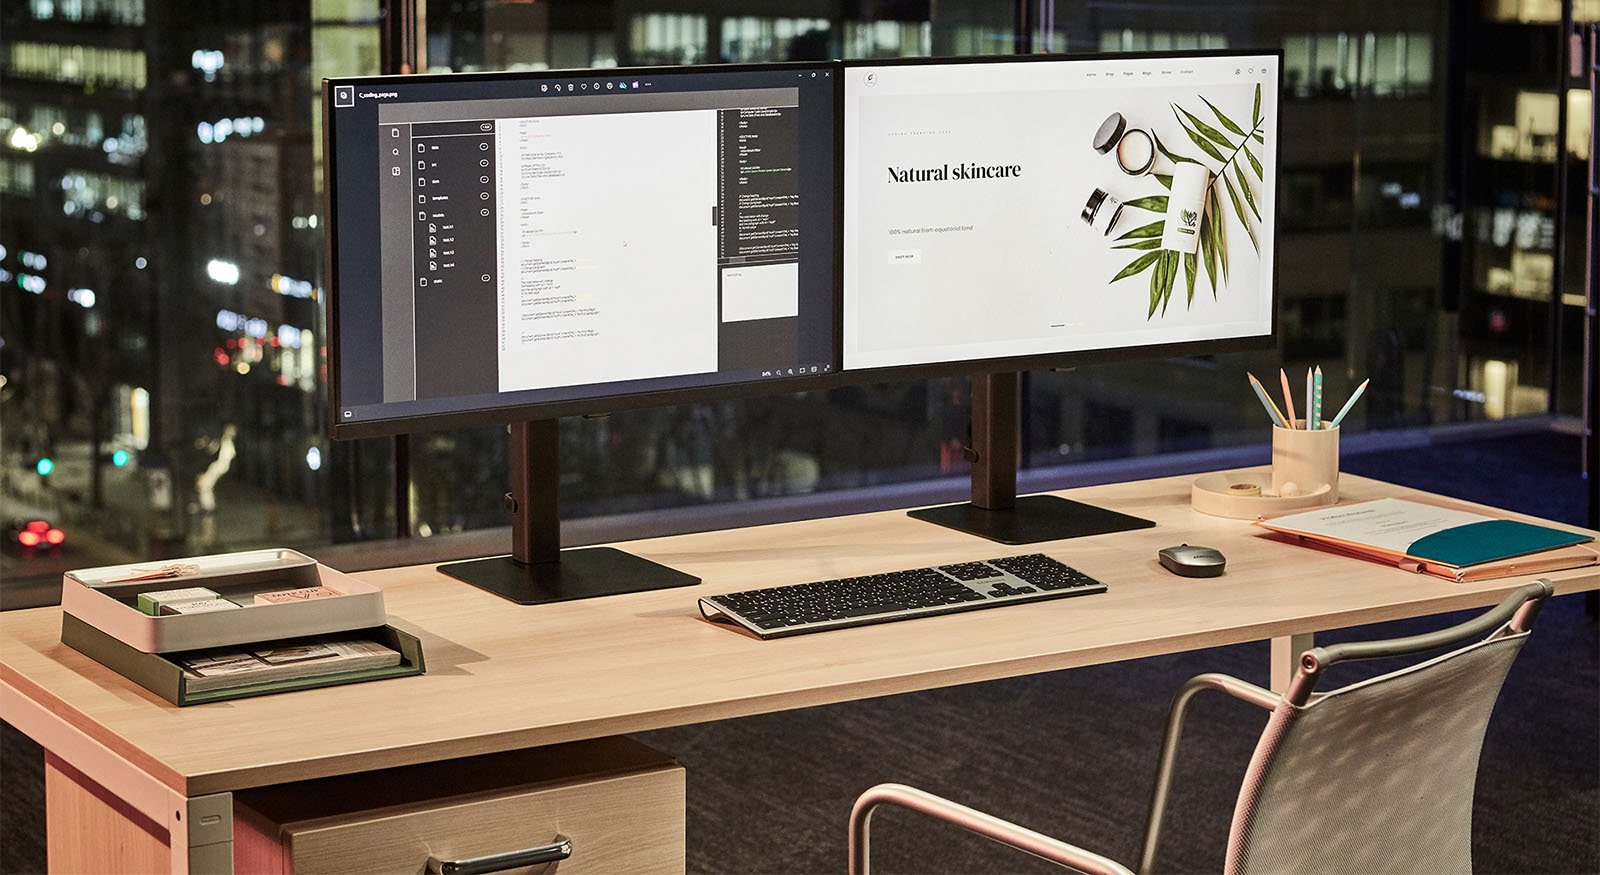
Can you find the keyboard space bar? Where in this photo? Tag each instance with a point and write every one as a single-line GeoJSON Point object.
{"type": "Point", "coordinates": [873, 610]}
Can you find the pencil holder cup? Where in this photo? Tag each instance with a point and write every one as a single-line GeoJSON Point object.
{"type": "Point", "coordinates": [1304, 461]}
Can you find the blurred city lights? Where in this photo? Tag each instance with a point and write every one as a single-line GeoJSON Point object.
{"type": "Point", "coordinates": [208, 62]}
{"type": "Point", "coordinates": [22, 140]}
{"type": "Point", "coordinates": [225, 272]}
{"type": "Point", "coordinates": [291, 287]}
{"type": "Point", "coordinates": [222, 129]}
{"type": "Point", "coordinates": [314, 459]}
{"type": "Point", "coordinates": [82, 297]}
{"type": "Point", "coordinates": [44, 466]}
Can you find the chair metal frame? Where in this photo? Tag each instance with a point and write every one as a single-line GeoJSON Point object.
{"type": "Point", "coordinates": [1514, 615]}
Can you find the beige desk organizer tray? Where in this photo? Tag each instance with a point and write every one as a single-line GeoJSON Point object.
{"type": "Point", "coordinates": [1210, 495]}
{"type": "Point", "coordinates": [105, 599]}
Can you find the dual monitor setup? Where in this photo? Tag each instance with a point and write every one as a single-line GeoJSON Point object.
{"type": "Point", "coordinates": [517, 247]}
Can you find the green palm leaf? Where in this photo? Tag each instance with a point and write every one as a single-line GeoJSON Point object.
{"type": "Point", "coordinates": [1226, 122]}
{"type": "Point", "coordinates": [1211, 133]}
{"type": "Point", "coordinates": [1137, 265]}
{"type": "Point", "coordinates": [1156, 203]}
{"type": "Point", "coordinates": [1174, 158]}
{"type": "Point", "coordinates": [1156, 283]}
{"type": "Point", "coordinates": [1255, 165]}
{"type": "Point", "coordinates": [1218, 232]}
{"type": "Point", "coordinates": [1259, 139]}
{"type": "Point", "coordinates": [1255, 114]}
{"type": "Point", "coordinates": [1169, 261]}
{"type": "Point", "coordinates": [1190, 268]}
{"type": "Point", "coordinates": [1153, 229]}
{"type": "Point", "coordinates": [1164, 179]}
{"type": "Point", "coordinates": [1238, 209]}
{"type": "Point", "coordinates": [1202, 142]}
{"type": "Point", "coordinates": [1244, 187]}
{"type": "Point", "coordinates": [1151, 243]}
{"type": "Point", "coordinates": [1208, 252]}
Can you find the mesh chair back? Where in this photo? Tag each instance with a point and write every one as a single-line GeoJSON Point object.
{"type": "Point", "coordinates": [1375, 777]}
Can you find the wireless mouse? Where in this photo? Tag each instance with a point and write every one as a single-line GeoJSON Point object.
{"type": "Point", "coordinates": [1186, 561]}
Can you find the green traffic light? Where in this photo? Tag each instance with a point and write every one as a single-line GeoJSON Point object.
{"type": "Point", "coordinates": [119, 458]}
{"type": "Point", "coordinates": [44, 466]}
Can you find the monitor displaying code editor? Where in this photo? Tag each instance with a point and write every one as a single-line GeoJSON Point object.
{"type": "Point", "coordinates": [505, 241]}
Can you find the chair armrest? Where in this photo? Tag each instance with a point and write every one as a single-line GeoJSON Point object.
{"type": "Point", "coordinates": [972, 820]}
{"type": "Point", "coordinates": [1234, 687]}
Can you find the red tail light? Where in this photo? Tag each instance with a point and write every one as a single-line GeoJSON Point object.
{"type": "Point", "coordinates": [28, 538]}
{"type": "Point", "coordinates": [55, 536]}
{"type": "Point", "coordinates": [38, 527]}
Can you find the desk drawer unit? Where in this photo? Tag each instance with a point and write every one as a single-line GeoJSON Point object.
{"type": "Point", "coordinates": [607, 806]}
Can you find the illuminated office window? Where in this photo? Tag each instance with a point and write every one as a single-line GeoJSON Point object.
{"type": "Point", "coordinates": [749, 39]}
{"type": "Point", "coordinates": [16, 177]}
{"type": "Point", "coordinates": [1375, 64]}
{"type": "Point", "coordinates": [97, 196]}
{"type": "Point", "coordinates": [1126, 40]}
{"type": "Point", "coordinates": [1539, 11]}
{"type": "Point", "coordinates": [887, 39]}
{"type": "Point", "coordinates": [71, 63]}
{"type": "Point", "coordinates": [668, 38]}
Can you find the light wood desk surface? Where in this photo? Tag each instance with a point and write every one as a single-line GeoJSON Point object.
{"type": "Point", "coordinates": [504, 677]}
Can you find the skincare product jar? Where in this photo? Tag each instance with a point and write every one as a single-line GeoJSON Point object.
{"type": "Point", "coordinates": [1101, 212]}
{"type": "Point", "coordinates": [1186, 205]}
{"type": "Point", "coordinates": [1135, 148]}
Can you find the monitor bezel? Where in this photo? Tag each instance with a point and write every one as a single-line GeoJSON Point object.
{"type": "Point", "coordinates": [601, 405]}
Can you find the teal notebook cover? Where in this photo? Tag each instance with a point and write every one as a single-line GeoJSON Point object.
{"type": "Point", "coordinates": [1489, 541]}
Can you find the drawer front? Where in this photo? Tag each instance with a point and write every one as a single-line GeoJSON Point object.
{"type": "Point", "coordinates": [631, 823]}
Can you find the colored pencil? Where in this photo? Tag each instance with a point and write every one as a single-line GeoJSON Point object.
{"type": "Point", "coordinates": [1309, 423]}
{"type": "Point", "coordinates": [1316, 399]}
{"type": "Point", "coordinates": [1351, 403]}
{"type": "Point", "coordinates": [1272, 409]}
{"type": "Point", "coordinates": [1288, 397]}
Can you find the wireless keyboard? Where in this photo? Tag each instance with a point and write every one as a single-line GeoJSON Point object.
{"type": "Point", "coordinates": [779, 611]}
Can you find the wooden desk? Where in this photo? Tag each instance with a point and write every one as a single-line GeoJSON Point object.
{"type": "Point", "coordinates": [504, 678]}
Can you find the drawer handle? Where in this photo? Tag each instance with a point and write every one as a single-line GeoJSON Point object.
{"type": "Point", "coordinates": [560, 849]}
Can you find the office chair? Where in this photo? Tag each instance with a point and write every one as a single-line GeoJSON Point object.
{"type": "Point", "coordinates": [1376, 776]}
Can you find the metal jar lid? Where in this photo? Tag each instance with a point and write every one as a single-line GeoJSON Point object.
{"type": "Point", "coordinates": [1110, 132]}
{"type": "Point", "coordinates": [1093, 206]}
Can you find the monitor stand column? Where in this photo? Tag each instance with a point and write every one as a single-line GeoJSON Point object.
{"type": "Point", "coordinates": [995, 511]}
{"type": "Point", "coordinates": [538, 570]}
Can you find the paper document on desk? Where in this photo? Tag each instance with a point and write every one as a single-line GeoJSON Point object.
{"type": "Point", "coordinates": [1432, 537]}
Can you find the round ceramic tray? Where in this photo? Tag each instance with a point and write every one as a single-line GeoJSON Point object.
{"type": "Point", "coordinates": [1210, 495]}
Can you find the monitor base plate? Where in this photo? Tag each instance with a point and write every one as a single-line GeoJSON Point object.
{"type": "Point", "coordinates": [1034, 519]}
{"type": "Point", "coordinates": [583, 573]}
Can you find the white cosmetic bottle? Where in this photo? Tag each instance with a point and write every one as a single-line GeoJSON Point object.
{"type": "Point", "coordinates": [1185, 207]}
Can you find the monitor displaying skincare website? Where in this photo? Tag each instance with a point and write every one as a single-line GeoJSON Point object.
{"type": "Point", "coordinates": [1025, 208]}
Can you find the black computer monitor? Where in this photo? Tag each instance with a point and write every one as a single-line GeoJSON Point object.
{"type": "Point", "coordinates": [518, 247]}
{"type": "Point", "coordinates": [1011, 213]}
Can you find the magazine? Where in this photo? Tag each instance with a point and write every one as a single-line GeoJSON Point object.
{"type": "Point", "coordinates": [234, 666]}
